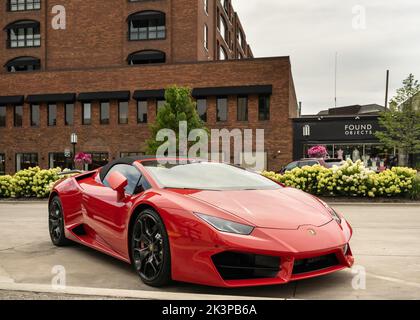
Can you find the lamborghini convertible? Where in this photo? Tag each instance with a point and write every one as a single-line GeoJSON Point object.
{"type": "Point", "coordinates": [200, 222]}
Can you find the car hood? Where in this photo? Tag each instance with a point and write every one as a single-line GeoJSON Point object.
{"type": "Point", "coordinates": [285, 208]}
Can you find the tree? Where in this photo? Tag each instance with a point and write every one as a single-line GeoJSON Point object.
{"type": "Point", "coordinates": [401, 122]}
{"type": "Point", "coordinates": [179, 107]}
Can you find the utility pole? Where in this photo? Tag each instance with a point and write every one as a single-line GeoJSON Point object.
{"type": "Point", "coordinates": [335, 80]}
{"type": "Point", "coordinates": [387, 90]}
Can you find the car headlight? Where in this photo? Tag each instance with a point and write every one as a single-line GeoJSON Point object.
{"type": "Point", "coordinates": [335, 215]}
{"type": "Point", "coordinates": [226, 225]}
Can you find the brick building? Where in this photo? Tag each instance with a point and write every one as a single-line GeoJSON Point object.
{"type": "Point", "coordinates": [102, 75]}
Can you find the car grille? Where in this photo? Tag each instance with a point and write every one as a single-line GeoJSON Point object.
{"type": "Point", "coordinates": [315, 264]}
{"type": "Point", "coordinates": [241, 266]}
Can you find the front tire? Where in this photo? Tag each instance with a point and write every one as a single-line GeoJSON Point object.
{"type": "Point", "coordinates": [56, 223]}
{"type": "Point", "coordinates": [150, 249]}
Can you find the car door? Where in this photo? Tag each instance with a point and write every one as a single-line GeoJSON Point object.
{"type": "Point", "coordinates": [107, 215]}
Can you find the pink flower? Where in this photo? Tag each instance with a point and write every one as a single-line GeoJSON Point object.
{"type": "Point", "coordinates": [318, 152]}
{"type": "Point", "coordinates": [83, 158]}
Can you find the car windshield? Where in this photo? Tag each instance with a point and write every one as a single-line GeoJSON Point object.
{"type": "Point", "coordinates": [207, 176]}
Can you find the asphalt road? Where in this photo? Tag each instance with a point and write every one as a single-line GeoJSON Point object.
{"type": "Point", "coordinates": [386, 246]}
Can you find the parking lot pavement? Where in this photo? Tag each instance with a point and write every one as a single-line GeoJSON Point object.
{"type": "Point", "coordinates": [386, 245]}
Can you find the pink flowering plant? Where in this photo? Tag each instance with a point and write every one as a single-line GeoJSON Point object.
{"type": "Point", "coordinates": [83, 158]}
{"type": "Point", "coordinates": [318, 152]}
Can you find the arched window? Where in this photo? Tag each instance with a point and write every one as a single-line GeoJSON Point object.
{"type": "Point", "coordinates": [23, 64]}
{"type": "Point", "coordinates": [147, 25]}
{"type": "Point", "coordinates": [222, 53]}
{"type": "Point", "coordinates": [223, 29]}
{"type": "Point", "coordinates": [23, 34]}
{"type": "Point", "coordinates": [146, 57]}
{"type": "Point", "coordinates": [206, 36]}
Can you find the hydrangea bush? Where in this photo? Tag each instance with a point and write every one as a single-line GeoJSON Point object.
{"type": "Point", "coordinates": [29, 183]}
{"type": "Point", "coordinates": [351, 179]}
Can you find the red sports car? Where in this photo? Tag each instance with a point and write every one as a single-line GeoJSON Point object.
{"type": "Point", "coordinates": [200, 222]}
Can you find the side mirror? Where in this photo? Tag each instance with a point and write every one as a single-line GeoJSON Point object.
{"type": "Point", "coordinates": [118, 183]}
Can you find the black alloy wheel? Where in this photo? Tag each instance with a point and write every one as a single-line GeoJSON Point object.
{"type": "Point", "coordinates": [150, 249]}
{"type": "Point", "coordinates": [56, 223]}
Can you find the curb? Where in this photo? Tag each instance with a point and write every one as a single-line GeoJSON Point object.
{"type": "Point", "coordinates": [118, 293]}
{"type": "Point", "coordinates": [384, 204]}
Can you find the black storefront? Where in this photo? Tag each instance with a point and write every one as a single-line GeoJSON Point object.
{"type": "Point", "coordinates": [345, 137]}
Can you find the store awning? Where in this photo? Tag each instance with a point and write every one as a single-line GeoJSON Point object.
{"type": "Point", "coordinates": [22, 24]}
{"type": "Point", "coordinates": [232, 91]}
{"type": "Point", "coordinates": [51, 98]}
{"type": "Point", "coordinates": [104, 96]}
{"type": "Point", "coordinates": [5, 100]}
{"type": "Point", "coordinates": [22, 61]}
{"type": "Point", "coordinates": [149, 94]}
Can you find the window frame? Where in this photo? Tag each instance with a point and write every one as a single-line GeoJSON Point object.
{"type": "Point", "coordinates": [246, 108]}
{"type": "Point", "coordinates": [218, 119]}
{"type": "Point", "coordinates": [33, 123]}
{"type": "Point", "coordinates": [15, 122]}
{"type": "Point", "coordinates": [66, 105]}
{"type": "Point", "coordinates": [84, 105]}
{"type": "Point", "coordinates": [23, 155]}
{"type": "Point", "coordinates": [104, 121]}
{"type": "Point", "coordinates": [146, 113]}
{"type": "Point", "coordinates": [26, 4]}
{"type": "Point", "coordinates": [126, 120]}
{"type": "Point", "coordinates": [50, 112]}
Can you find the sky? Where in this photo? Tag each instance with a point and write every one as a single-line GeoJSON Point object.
{"type": "Point", "coordinates": [369, 37]}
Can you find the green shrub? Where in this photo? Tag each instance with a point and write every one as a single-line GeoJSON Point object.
{"type": "Point", "coordinates": [351, 180]}
{"type": "Point", "coordinates": [32, 182]}
{"type": "Point", "coordinates": [414, 193]}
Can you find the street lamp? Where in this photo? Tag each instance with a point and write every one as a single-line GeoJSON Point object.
{"type": "Point", "coordinates": [73, 140]}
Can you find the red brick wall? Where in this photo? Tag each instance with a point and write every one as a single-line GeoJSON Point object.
{"type": "Point", "coordinates": [96, 33]}
{"type": "Point", "coordinates": [115, 138]}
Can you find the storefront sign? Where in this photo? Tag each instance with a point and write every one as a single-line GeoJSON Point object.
{"type": "Point", "coordinates": [337, 129]}
{"type": "Point", "coordinates": [358, 129]}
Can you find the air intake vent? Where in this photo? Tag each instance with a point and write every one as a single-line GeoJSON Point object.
{"type": "Point", "coordinates": [315, 264]}
{"type": "Point", "coordinates": [241, 266]}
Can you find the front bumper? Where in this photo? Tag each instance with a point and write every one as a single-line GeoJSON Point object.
{"type": "Point", "coordinates": [300, 254]}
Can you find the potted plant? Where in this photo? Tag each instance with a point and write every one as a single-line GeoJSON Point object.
{"type": "Point", "coordinates": [83, 159]}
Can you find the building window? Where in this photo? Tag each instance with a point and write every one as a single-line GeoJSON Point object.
{"type": "Point", "coordinates": [26, 161]}
{"type": "Point", "coordinates": [2, 164]}
{"type": "Point", "coordinates": [24, 5]}
{"type": "Point", "coordinates": [99, 159]}
{"type": "Point", "coordinates": [206, 37]}
{"type": "Point", "coordinates": [3, 116]}
{"type": "Point", "coordinates": [52, 115]}
{"type": "Point", "coordinates": [147, 25]}
{"type": "Point", "coordinates": [146, 57]}
{"type": "Point", "coordinates": [142, 111]}
{"type": "Point", "coordinates": [23, 64]}
{"type": "Point", "coordinates": [123, 112]}
{"type": "Point", "coordinates": [223, 29]}
{"type": "Point", "coordinates": [202, 108]}
{"type": "Point", "coordinates": [23, 34]}
{"type": "Point", "coordinates": [35, 115]}
{"type": "Point", "coordinates": [59, 160]}
{"type": "Point", "coordinates": [206, 6]}
{"type": "Point", "coordinates": [18, 116]}
{"type": "Point", "coordinates": [87, 113]}
{"type": "Point", "coordinates": [222, 109]}
{"type": "Point", "coordinates": [69, 114]}
{"type": "Point", "coordinates": [104, 113]}
{"type": "Point", "coordinates": [243, 108]}
{"type": "Point", "coordinates": [264, 107]}
{"type": "Point", "coordinates": [160, 105]}
{"type": "Point", "coordinates": [222, 53]}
